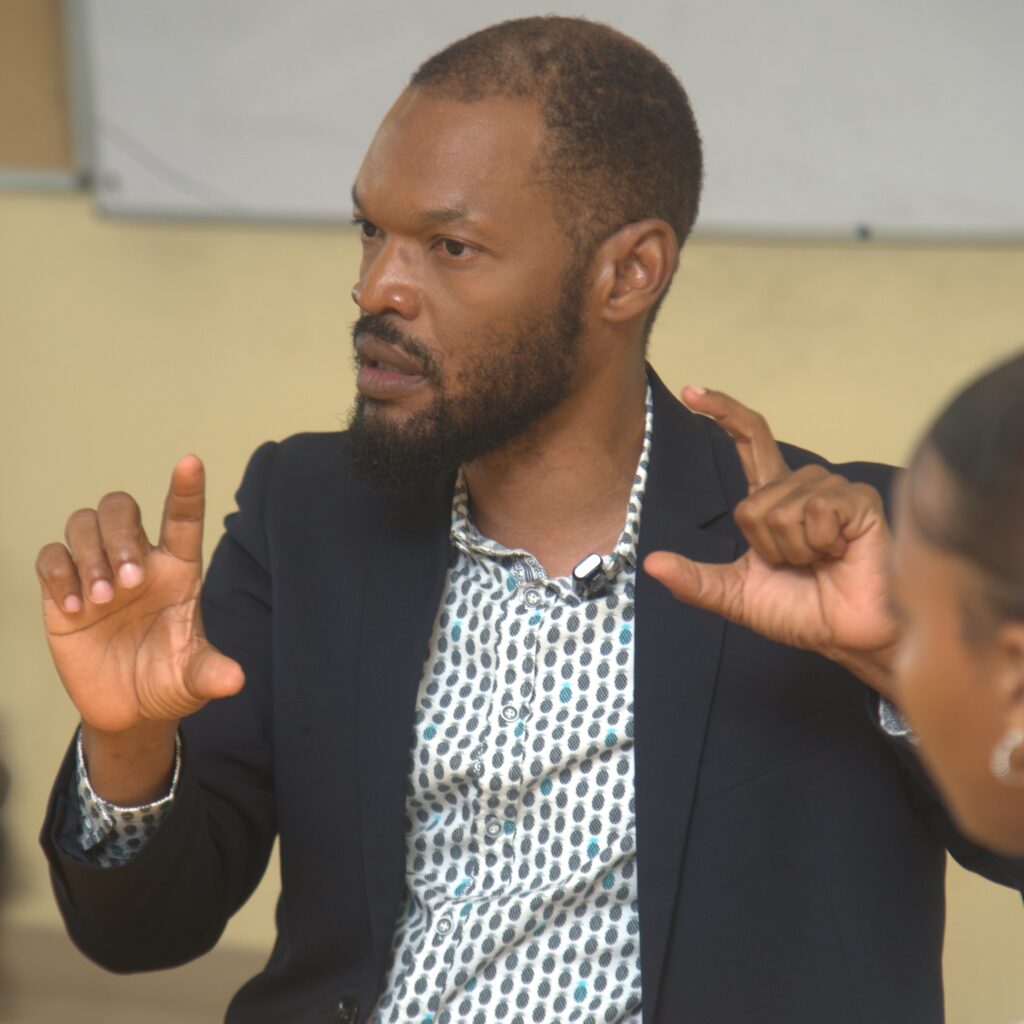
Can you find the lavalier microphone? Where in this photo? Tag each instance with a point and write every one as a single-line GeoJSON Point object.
{"type": "Point", "coordinates": [588, 576]}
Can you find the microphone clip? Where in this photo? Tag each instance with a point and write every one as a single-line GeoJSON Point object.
{"type": "Point", "coordinates": [588, 577]}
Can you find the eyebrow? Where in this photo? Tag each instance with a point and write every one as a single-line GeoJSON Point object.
{"type": "Point", "coordinates": [439, 215]}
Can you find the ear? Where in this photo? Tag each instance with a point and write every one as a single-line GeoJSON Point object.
{"type": "Point", "coordinates": [632, 269]}
{"type": "Point", "coordinates": [1010, 679]}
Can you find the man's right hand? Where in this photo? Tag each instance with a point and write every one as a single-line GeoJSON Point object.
{"type": "Point", "coordinates": [123, 624]}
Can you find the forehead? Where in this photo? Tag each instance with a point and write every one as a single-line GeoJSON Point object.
{"type": "Point", "coordinates": [436, 153]}
{"type": "Point", "coordinates": [922, 569]}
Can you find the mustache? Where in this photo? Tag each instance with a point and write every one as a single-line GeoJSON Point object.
{"type": "Point", "coordinates": [385, 330]}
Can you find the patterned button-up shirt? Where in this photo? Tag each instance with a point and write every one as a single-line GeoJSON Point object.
{"type": "Point", "coordinates": [521, 881]}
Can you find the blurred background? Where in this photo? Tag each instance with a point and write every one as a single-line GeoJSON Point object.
{"type": "Point", "coordinates": [175, 267]}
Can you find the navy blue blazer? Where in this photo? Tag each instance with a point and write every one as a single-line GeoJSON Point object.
{"type": "Point", "coordinates": [790, 856]}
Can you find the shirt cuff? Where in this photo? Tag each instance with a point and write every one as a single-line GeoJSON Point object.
{"type": "Point", "coordinates": [891, 719]}
{"type": "Point", "coordinates": [112, 834]}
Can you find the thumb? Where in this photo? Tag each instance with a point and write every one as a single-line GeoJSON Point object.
{"type": "Point", "coordinates": [211, 675]}
{"type": "Point", "coordinates": [715, 588]}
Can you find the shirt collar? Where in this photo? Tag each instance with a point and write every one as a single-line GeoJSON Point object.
{"type": "Point", "coordinates": [467, 537]}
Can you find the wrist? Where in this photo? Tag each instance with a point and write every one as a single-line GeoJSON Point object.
{"type": "Point", "coordinates": [131, 767]}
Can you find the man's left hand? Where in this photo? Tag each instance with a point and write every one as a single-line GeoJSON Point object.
{"type": "Point", "coordinates": [815, 574]}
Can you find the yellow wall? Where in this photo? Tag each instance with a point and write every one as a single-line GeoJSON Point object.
{"type": "Point", "coordinates": [124, 345]}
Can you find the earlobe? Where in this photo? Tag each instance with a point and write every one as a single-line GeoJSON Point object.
{"type": "Point", "coordinates": [635, 266]}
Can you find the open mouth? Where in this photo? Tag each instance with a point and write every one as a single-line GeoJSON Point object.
{"type": "Point", "coordinates": [386, 367]}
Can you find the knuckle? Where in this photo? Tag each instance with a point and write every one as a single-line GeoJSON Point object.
{"type": "Point", "coordinates": [49, 559]}
{"type": "Point", "coordinates": [867, 493]}
{"type": "Point", "coordinates": [777, 518]}
{"type": "Point", "coordinates": [61, 573]}
{"type": "Point", "coordinates": [116, 500]}
{"type": "Point", "coordinates": [817, 505]}
{"type": "Point", "coordinates": [81, 516]}
{"type": "Point", "coordinates": [745, 514]}
{"type": "Point", "coordinates": [811, 474]}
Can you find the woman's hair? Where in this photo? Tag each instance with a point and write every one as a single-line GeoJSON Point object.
{"type": "Point", "coordinates": [979, 441]}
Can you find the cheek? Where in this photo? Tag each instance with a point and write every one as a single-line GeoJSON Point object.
{"type": "Point", "coordinates": [945, 701]}
{"type": "Point", "coordinates": [930, 691]}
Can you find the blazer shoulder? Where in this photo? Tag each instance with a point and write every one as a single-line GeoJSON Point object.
{"type": "Point", "coordinates": [304, 461]}
{"type": "Point", "coordinates": [862, 471]}
{"type": "Point", "coordinates": [301, 483]}
{"type": "Point", "coordinates": [876, 474]}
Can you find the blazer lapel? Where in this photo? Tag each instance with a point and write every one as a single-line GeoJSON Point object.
{"type": "Point", "coordinates": [403, 587]}
{"type": "Point", "coordinates": [676, 663]}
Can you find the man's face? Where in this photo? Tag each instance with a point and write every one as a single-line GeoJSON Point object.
{"type": "Point", "coordinates": [470, 293]}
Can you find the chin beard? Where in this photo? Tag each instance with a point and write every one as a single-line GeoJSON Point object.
{"type": "Point", "coordinates": [516, 378]}
{"type": "Point", "coordinates": [400, 458]}
{"type": "Point", "coordinates": [404, 458]}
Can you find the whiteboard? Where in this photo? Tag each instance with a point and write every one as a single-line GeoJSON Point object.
{"type": "Point", "coordinates": [888, 118]}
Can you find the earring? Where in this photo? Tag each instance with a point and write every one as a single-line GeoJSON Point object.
{"type": "Point", "coordinates": [1000, 763]}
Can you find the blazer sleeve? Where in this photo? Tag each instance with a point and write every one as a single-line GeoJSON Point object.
{"type": "Point", "coordinates": [171, 902]}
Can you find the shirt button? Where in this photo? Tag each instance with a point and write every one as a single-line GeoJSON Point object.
{"type": "Point", "coordinates": [444, 926]}
{"type": "Point", "coordinates": [476, 769]}
{"type": "Point", "coordinates": [492, 827]}
{"type": "Point", "coordinates": [348, 1011]}
{"type": "Point", "coordinates": [509, 713]}
{"type": "Point", "coordinates": [532, 597]}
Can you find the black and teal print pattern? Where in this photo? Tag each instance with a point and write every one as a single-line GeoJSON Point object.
{"type": "Point", "coordinates": [521, 842]}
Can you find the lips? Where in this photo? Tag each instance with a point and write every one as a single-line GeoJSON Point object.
{"type": "Point", "coordinates": [377, 354]}
{"type": "Point", "coordinates": [385, 372]}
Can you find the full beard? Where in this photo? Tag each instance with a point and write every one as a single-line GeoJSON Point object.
{"type": "Point", "coordinates": [517, 377]}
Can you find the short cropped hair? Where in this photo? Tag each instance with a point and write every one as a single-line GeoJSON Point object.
{"type": "Point", "coordinates": [621, 141]}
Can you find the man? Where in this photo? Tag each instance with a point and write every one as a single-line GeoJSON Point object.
{"type": "Point", "coordinates": [616, 806]}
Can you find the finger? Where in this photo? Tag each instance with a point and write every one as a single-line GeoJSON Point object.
{"type": "Point", "coordinates": [82, 534]}
{"type": "Point", "coordinates": [58, 578]}
{"type": "Point", "coordinates": [715, 588]}
{"type": "Point", "coordinates": [211, 675]}
{"type": "Point", "coordinates": [759, 454]}
{"type": "Point", "coordinates": [772, 518]}
{"type": "Point", "coordinates": [124, 540]}
{"type": "Point", "coordinates": [788, 532]}
{"type": "Point", "coordinates": [181, 531]}
{"type": "Point", "coordinates": [841, 514]}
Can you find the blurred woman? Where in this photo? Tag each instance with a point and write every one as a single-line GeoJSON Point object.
{"type": "Point", "coordinates": [958, 587]}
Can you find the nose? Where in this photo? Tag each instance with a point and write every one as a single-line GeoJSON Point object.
{"type": "Point", "coordinates": [387, 285]}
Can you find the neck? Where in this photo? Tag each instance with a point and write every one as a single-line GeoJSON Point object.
{"type": "Point", "coordinates": [560, 491]}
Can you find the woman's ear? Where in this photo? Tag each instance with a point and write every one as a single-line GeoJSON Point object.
{"type": "Point", "coordinates": [1010, 647]}
{"type": "Point", "coordinates": [633, 268]}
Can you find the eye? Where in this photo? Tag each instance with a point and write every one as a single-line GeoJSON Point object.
{"type": "Point", "coordinates": [366, 229]}
{"type": "Point", "coordinates": [452, 247]}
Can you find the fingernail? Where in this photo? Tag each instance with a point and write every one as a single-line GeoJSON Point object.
{"type": "Point", "coordinates": [101, 592]}
{"type": "Point", "coordinates": [699, 390]}
{"type": "Point", "coordinates": [129, 574]}
{"type": "Point", "coordinates": [72, 603]}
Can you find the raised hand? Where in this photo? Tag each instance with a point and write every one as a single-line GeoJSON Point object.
{"type": "Point", "coordinates": [123, 623]}
{"type": "Point", "coordinates": [815, 574]}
